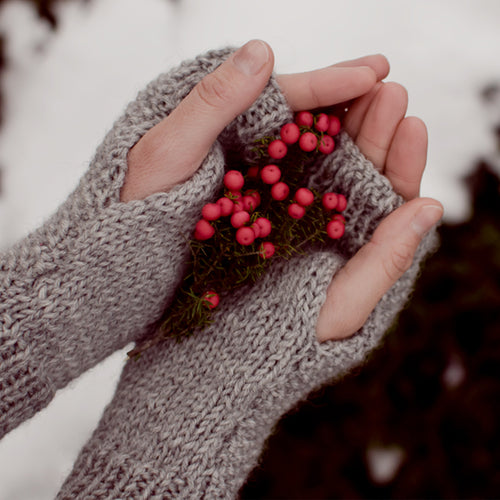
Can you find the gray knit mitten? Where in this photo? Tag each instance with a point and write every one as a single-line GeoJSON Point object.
{"type": "Point", "coordinates": [99, 272]}
{"type": "Point", "coordinates": [189, 419]}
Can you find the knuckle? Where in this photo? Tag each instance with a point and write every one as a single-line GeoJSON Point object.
{"type": "Point", "coordinates": [399, 261]}
{"type": "Point", "coordinates": [214, 90]}
{"type": "Point", "coordinates": [313, 94]}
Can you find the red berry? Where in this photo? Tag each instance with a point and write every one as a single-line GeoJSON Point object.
{"type": "Point", "coordinates": [226, 206]}
{"type": "Point", "coordinates": [304, 197]}
{"type": "Point", "coordinates": [277, 149]}
{"type": "Point", "coordinates": [236, 197]}
{"type": "Point", "coordinates": [245, 236]}
{"type": "Point", "coordinates": [265, 226]}
{"type": "Point", "coordinates": [334, 127]}
{"type": "Point", "coordinates": [203, 230]}
{"type": "Point", "coordinates": [240, 218]}
{"type": "Point", "coordinates": [253, 172]}
{"type": "Point", "coordinates": [256, 229]}
{"type": "Point", "coordinates": [266, 249]}
{"type": "Point", "coordinates": [335, 229]}
{"type": "Point", "coordinates": [270, 174]}
{"type": "Point", "coordinates": [255, 194]}
{"type": "Point", "coordinates": [339, 217]}
{"type": "Point", "coordinates": [290, 133]}
{"type": "Point", "coordinates": [322, 122]}
{"type": "Point", "coordinates": [329, 201]}
{"type": "Point", "coordinates": [341, 202]}
{"type": "Point", "coordinates": [237, 206]}
{"type": "Point", "coordinates": [234, 180]}
{"type": "Point", "coordinates": [280, 191]}
{"type": "Point", "coordinates": [210, 299]}
{"type": "Point", "coordinates": [296, 211]}
{"type": "Point", "coordinates": [211, 211]}
{"type": "Point", "coordinates": [304, 118]}
{"type": "Point", "coordinates": [326, 145]}
{"type": "Point", "coordinates": [308, 141]}
{"type": "Point", "coordinates": [249, 203]}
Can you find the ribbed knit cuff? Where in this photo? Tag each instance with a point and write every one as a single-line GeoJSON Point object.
{"type": "Point", "coordinates": [264, 118]}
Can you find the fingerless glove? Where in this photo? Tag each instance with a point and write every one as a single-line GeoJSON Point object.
{"type": "Point", "coordinates": [189, 418]}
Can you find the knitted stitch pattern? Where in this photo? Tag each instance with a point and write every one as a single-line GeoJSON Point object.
{"type": "Point", "coordinates": [189, 418]}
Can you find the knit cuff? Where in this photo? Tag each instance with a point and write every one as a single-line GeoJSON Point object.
{"type": "Point", "coordinates": [101, 269]}
{"type": "Point", "coordinates": [264, 118]}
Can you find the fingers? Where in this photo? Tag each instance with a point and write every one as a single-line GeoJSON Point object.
{"type": "Point", "coordinates": [170, 152]}
{"type": "Point", "coordinates": [357, 288]}
{"type": "Point", "coordinates": [334, 84]}
{"type": "Point", "coordinates": [407, 157]}
{"type": "Point", "coordinates": [381, 121]}
{"type": "Point", "coordinates": [396, 145]}
{"type": "Point", "coordinates": [357, 111]}
{"type": "Point", "coordinates": [377, 62]}
{"type": "Point", "coordinates": [326, 87]}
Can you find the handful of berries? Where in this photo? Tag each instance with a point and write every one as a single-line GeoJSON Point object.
{"type": "Point", "coordinates": [264, 212]}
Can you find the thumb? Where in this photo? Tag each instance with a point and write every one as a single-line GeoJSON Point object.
{"type": "Point", "coordinates": [360, 284]}
{"type": "Point", "coordinates": [171, 151]}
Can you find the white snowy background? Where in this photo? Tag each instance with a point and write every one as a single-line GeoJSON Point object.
{"type": "Point", "coordinates": [64, 89]}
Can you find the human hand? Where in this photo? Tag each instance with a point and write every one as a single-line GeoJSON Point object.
{"type": "Point", "coordinates": [396, 145]}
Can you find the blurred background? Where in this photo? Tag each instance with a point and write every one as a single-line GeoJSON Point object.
{"type": "Point", "coordinates": [420, 419]}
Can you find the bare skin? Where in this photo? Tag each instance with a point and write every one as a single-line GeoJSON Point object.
{"type": "Point", "coordinates": [396, 144]}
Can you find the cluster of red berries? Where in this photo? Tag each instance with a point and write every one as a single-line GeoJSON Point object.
{"type": "Point", "coordinates": [238, 206]}
{"type": "Point", "coordinates": [305, 131]}
{"type": "Point", "coordinates": [265, 201]}
{"type": "Point", "coordinates": [310, 133]}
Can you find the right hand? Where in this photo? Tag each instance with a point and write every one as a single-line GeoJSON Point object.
{"type": "Point", "coordinates": [397, 146]}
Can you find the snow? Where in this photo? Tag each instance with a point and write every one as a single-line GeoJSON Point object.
{"type": "Point", "coordinates": [384, 462]}
{"type": "Point", "coordinates": [63, 90]}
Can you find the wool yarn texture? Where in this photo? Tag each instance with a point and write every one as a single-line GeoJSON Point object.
{"type": "Point", "coordinates": [189, 418]}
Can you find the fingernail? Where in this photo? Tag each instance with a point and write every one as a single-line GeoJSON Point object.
{"type": "Point", "coordinates": [251, 58]}
{"type": "Point", "coordinates": [425, 218]}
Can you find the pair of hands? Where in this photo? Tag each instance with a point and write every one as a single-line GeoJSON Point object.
{"type": "Point", "coordinates": [397, 145]}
